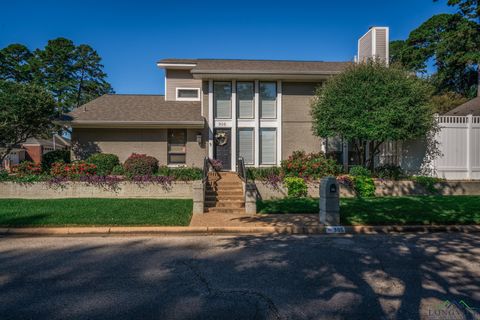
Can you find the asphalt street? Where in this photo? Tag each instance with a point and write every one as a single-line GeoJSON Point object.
{"type": "Point", "coordinates": [416, 276]}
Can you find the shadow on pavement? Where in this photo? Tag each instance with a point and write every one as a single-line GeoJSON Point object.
{"type": "Point", "coordinates": [245, 277]}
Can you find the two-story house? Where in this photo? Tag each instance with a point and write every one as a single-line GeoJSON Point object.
{"type": "Point", "coordinates": [257, 109]}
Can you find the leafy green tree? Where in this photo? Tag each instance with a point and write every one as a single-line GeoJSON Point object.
{"type": "Point", "coordinates": [453, 42]}
{"type": "Point", "coordinates": [89, 75]}
{"type": "Point", "coordinates": [25, 111]}
{"type": "Point", "coordinates": [72, 74]}
{"type": "Point", "coordinates": [468, 8]}
{"type": "Point", "coordinates": [445, 102]}
{"type": "Point", "coordinates": [371, 103]}
{"type": "Point", "coordinates": [15, 63]}
{"type": "Point", "coordinates": [54, 68]}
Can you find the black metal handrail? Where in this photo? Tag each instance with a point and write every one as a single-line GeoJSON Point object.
{"type": "Point", "coordinates": [206, 169]}
{"type": "Point", "coordinates": [241, 170]}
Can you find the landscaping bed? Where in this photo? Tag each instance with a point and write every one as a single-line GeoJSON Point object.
{"type": "Point", "coordinates": [95, 212]}
{"type": "Point", "coordinates": [418, 210]}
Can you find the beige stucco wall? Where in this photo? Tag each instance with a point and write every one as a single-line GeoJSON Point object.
{"type": "Point", "coordinates": [41, 190]}
{"type": "Point", "coordinates": [296, 119]}
{"type": "Point", "coordinates": [124, 142]}
{"type": "Point", "coordinates": [179, 79]}
{"type": "Point", "coordinates": [383, 188]}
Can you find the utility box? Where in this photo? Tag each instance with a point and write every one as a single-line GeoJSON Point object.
{"type": "Point", "coordinates": [329, 201]}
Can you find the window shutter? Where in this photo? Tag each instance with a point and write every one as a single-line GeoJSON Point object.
{"type": "Point", "coordinates": [245, 144]}
{"type": "Point", "coordinates": [268, 146]}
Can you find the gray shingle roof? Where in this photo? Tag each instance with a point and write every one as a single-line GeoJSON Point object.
{"type": "Point", "coordinates": [261, 66]}
{"type": "Point", "coordinates": [470, 107]}
{"type": "Point", "coordinates": [141, 109]}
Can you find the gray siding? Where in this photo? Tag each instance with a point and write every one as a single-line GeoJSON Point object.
{"type": "Point", "coordinates": [179, 79]}
{"type": "Point", "coordinates": [381, 43]}
{"type": "Point", "coordinates": [296, 119]}
{"type": "Point", "coordinates": [365, 46]}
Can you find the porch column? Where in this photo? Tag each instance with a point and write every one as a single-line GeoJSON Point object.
{"type": "Point", "coordinates": [210, 119]}
{"type": "Point", "coordinates": [279, 122]}
{"type": "Point", "coordinates": [234, 125]}
{"type": "Point", "coordinates": [256, 130]}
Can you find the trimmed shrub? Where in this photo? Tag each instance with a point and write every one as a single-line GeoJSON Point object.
{"type": "Point", "coordinates": [364, 186]}
{"type": "Point", "coordinates": [140, 165]}
{"type": "Point", "coordinates": [26, 168]}
{"type": "Point", "coordinates": [296, 187]}
{"type": "Point", "coordinates": [263, 173]}
{"type": "Point", "coordinates": [4, 176]}
{"type": "Point", "coordinates": [389, 171]}
{"type": "Point", "coordinates": [309, 166]}
{"type": "Point", "coordinates": [105, 162]}
{"type": "Point", "coordinates": [51, 157]}
{"type": "Point", "coordinates": [73, 170]}
{"type": "Point", "coordinates": [181, 173]}
{"type": "Point", "coordinates": [359, 171]}
{"type": "Point", "coordinates": [118, 170]}
{"type": "Point", "coordinates": [428, 182]}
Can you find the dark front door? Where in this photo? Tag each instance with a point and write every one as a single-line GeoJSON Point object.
{"type": "Point", "coordinates": [223, 147]}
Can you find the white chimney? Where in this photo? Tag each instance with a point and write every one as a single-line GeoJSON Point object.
{"type": "Point", "coordinates": [374, 45]}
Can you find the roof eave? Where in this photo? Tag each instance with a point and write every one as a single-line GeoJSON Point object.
{"type": "Point", "coordinates": [135, 124]}
{"type": "Point", "coordinates": [265, 75]}
{"type": "Point", "coordinates": [174, 65]}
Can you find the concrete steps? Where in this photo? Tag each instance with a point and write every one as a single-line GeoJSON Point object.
{"type": "Point", "coordinates": [224, 193]}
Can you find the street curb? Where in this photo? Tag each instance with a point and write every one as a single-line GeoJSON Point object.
{"type": "Point", "coordinates": [298, 230]}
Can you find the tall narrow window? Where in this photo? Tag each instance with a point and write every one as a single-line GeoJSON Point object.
{"type": "Point", "coordinates": [245, 100]}
{"type": "Point", "coordinates": [268, 146]}
{"type": "Point", "coordinates": [268, 99]}
{"type": "Point", "coordinates": [177, 151]}
{"type": "Point", "coordinates": [246, 145]}
{"type": "Point", "coordinates": [222, 99]}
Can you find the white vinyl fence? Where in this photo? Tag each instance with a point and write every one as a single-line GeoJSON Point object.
{"type": "Point", "coordinates": [459, 144]}
{"type": "Point", "coordinates": [452, 153]}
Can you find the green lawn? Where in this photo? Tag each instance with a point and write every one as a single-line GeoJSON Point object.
{"type": "Point", "coordinates": [95, 212]}
{"type": "Point", "coordinates": [389, 210]}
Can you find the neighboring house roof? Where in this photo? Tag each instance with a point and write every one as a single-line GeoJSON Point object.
{"type": "Point", "coordinates": [59, 141]}
{"type": "Point", "coordinates": [225, 66]}
{"type": "Point", "coordinates": [133, 110]}
{"type": "Point", "coordinates": [470, 107]}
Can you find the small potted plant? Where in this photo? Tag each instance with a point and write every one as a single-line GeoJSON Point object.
{"type": "Point", "coordinates": [216, 164]}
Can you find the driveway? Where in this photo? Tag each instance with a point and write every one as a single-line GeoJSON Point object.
{"type": "Point", "coordinates": [430, 276]}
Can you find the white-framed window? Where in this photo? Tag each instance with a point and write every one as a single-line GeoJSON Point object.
{"type": "Point", "coordinates": [177, 151]}
{"type": "Point", "coordinates": [268, 100]}
{"type": "Point", "coordinates": [222, 99]}
{"type": "Point", "coordinates": [188, 94]}
{"type": "Point", "coordinates": [245, 145]}
{"type": "Point", "coordinates": [268, 146]}
{"type": "Point", "coordinates": [245, 95]}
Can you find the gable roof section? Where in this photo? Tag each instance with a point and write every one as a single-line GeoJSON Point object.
{"type": "Point", "coordinates": [59, 141]}
{"type": "Point", "coordinates": [470, 107]}
{"type": "Point", "coordinates": [128, 110]}
{"type": "Point", "coordinates": [287, 67]}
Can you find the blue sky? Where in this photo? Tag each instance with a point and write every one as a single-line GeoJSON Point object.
{"type": "Point", "coordinates": [132, 35]}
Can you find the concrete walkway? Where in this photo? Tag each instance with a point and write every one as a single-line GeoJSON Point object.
{"type": "Point", "coordinates": [256, 220]}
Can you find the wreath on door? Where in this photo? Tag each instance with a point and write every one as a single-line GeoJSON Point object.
{"type": "Point", "coordinates": [221, 138]}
